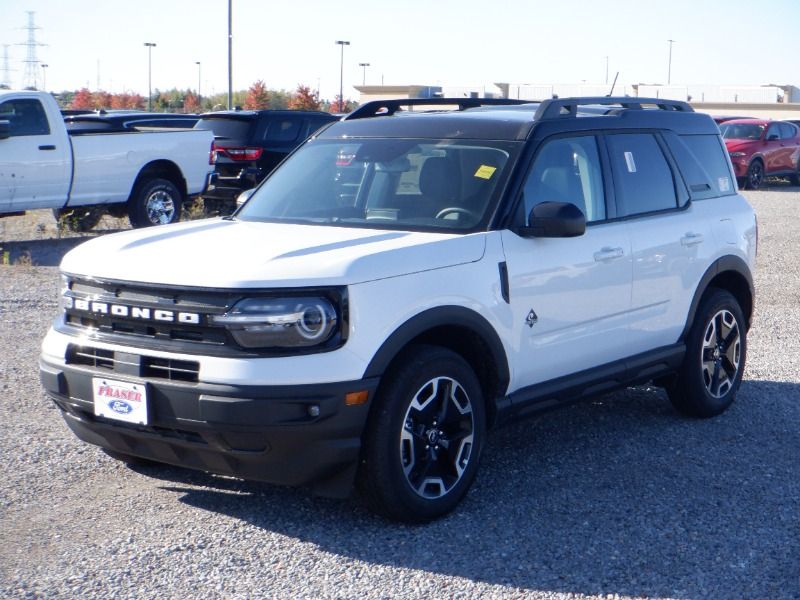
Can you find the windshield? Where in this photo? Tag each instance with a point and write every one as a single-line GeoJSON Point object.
{"type": "Point", "coordinates": [386, 184]}
{"type": "Point", "coordinates": [741, 131]}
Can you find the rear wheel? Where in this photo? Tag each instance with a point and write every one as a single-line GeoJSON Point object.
{"type": "Point", "coordinates": [709, 378]}
{"type": "Point", "coordinates": [795, 179]}
{"type": "Point", "coordinates": [424, 437]}
{"type": "Point", "coordinates": [755, 175]}
{"type": "Point", "coordinates": [154, 202]}
{"type": "Point", "coordinates": [79, 219]}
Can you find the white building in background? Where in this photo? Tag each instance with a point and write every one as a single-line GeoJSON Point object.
{"type": "Point", "coordinates": [762, 101]}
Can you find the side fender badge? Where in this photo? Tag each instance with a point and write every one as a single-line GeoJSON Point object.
{"type": "Point", "coordinates": [531, 319]}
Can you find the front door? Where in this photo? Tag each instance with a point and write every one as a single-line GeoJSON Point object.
{"type": "Point", "coordinates": [569, 297]}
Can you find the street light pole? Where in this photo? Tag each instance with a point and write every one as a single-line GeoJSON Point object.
{"type": "Point", "coordinates": [44, 76]}
{"type": "Point", "coordinates": [150, 46]}
{"type": "Point", "coordinates": [342, 43]}
{"type": "Point", "coordinates": [230, 54]}
{"type": "Point", "coordinates": [669, 67]}
{"type": "Point", "coordinates": [364, 76]}
{"type": "Point", "coordinates": [197, 62]}
{"type": "Point", "coordinates": [606, 70]}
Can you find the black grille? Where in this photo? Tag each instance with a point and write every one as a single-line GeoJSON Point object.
{"type": "Point", "coordinates": [173, 334]}
{"type": "Point", "coordinates": [124, 363]}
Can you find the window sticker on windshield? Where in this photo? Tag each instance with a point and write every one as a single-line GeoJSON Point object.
{"type": "Point", "coordinates": [724, 184]}
{"type": "Point", "coordinates": [485, 172]}
{"type": "Point", "coordinates": [630, 162]}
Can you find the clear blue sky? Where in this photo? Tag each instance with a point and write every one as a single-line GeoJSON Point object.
{"type": "Point", "coordinates": [429, 42]}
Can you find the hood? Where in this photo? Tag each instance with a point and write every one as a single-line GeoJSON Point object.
{"type": "Point", "coordinates": [220, 253]}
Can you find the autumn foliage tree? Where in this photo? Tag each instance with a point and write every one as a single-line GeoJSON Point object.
{"type": "Point", "coordinates": [127, 100]}
{"type": "Point", "coordinates": [304, 99]}
{"type": "Point", "coordinates": [191, 103]}
{"type": "Point", "coordinates": [257, 96]}
{"type": "Point", "coordinates": [83, 100]}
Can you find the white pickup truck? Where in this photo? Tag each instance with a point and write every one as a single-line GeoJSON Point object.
{"type": "Point", "coordinates": [146, 175]}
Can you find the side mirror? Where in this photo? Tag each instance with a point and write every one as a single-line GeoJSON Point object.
{"type": "Point", "coordinates": [772, 136]}
{"type": "Point", "coordinates": [5, 130]}
{"type": "Point", "coordinates": [554, 220]}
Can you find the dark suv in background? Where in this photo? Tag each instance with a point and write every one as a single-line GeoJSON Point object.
{"type": "Point", "coordinates": [249, 144]}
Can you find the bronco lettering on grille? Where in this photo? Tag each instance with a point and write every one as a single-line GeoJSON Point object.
{"type": "Point", "coordinates": [131, 312]}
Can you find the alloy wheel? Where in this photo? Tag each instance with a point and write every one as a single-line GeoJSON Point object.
{"type": "Point", "coordinates": [436, 441]}
{"type": "Point", "coordinates": [721, 353]}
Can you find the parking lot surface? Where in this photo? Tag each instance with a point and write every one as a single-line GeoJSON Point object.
{"type": "Point", "coordinates": [618, 497]}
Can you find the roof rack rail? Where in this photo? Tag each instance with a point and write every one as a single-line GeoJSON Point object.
{"type": "Point", "coordinates": [380, 108]}
{"type": "Point", "coordinates": [568, 107]}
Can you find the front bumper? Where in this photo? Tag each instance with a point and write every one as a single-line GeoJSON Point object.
{"type": "Point", "coordinates": [264, 433]}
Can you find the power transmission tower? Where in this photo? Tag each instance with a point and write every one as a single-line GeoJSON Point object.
{"type": "Point", "coordinates": [30, 78]}
{"type": "Point", "coordinates": [5, 80]}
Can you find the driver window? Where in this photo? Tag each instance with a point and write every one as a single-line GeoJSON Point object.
{"type": "Point", "coordinates": [567, 170]}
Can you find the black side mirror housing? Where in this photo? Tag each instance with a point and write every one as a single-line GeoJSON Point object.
{"type": "Point", "coordinates": [772, 136]}
{"type": "Point", "coordinates": [5, 130]}
{"type": "Point", "coordinates": [554, 220]}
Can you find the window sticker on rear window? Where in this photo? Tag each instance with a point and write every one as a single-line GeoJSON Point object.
{"type": "Point", "coordinates": [724, 184]}
{"type": "Point", "coordinates": [485, 172]}
{"type": "Point", "coordinates": [630, 162]}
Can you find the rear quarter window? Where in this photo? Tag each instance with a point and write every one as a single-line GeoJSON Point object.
{"type": "Point", "coordinates": [704, 164]}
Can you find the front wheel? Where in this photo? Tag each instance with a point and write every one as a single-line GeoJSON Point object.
{"type": "Point", "coordinates": [712, 368]}
{"type": "Point", "coordinates": [424, 437]}
{"type": "Point", "coordinates": [154, 202]}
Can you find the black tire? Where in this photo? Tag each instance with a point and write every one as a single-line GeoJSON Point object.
{"type": "Point", "coordinates": [78, 219]}
{"type": "Point", "coordinates": [154, 202]}
{"type": "Point", "coordinates": [128, 459]}
{"type": "Point", "coordinates": [716, 351]}
{"type": "Point", "coordinates": [755, 175]}
{"type": "Point", "coordinates": [420, 458]}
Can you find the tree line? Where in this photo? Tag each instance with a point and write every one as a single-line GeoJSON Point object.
{"type": "Point", "coordinates": [256, 97]}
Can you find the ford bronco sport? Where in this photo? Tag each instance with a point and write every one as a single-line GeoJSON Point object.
{"type": "Point", "coordinates": [407, 280]}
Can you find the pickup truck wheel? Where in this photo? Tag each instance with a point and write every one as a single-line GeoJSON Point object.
{"type": "Point", "coordinates": [79, 219]}
{"type": "Point", "coordinates": [716, 348]}
{"type": "Point", "coordinates": [424, 437]}
{"type": "Point", "coordinates": [154, 202]}
{"type": "Point", "coordinates": [755, 175]}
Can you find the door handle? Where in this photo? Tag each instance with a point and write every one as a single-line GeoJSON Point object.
{"type": "Point", "coordinates": [47, 147]}
{"type": "Point", "coordinates": [606, 254]}
{"type": "Point", "coordinates": [692, 239]}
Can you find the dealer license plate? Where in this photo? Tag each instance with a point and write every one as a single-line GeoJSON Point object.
{"type": "Point", "coordinates": [120, 400]}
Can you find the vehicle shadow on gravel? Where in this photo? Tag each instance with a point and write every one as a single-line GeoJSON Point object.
{"type": "Point", "coordinates": [616, 496]}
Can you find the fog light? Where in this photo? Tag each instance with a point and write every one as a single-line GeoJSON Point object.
{"type": "Point", "coordinates": [313, 410]}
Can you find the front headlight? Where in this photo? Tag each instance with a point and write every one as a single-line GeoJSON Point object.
{"type": "Point", "coordinates": [738, 154]}
{"type": "Point", "coordinates": [281, 323]}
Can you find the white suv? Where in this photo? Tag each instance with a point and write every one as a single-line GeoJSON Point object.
{"type": "Point", "coordinates": [407, 280]}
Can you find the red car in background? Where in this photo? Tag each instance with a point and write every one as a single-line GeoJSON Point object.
{"type": "Point", "coordinates": [762, 148]}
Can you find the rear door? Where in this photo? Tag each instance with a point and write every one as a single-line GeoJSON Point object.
{"type": "Point", "coordinates": [671, 239]}
{"type": "Point", "coordinates": [34, 163]}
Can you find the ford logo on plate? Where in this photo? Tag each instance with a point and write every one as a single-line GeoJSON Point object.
{"type": "Point", "coordinates": [118, 406]}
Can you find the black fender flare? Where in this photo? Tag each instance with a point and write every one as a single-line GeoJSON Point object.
{"type": "Point", "coordinates": [728, 263]}
{"type": "Point", "coordinates": [441, 316]}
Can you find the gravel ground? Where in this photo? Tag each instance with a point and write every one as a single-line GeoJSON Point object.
{"type": "Point", "coordinates": [620, 497]}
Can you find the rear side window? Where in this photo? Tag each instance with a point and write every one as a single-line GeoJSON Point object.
{"type": "Point", "coordinates": [25, 117]}
{"type": "Point", "coordinates": [788, 131]}
{"type": "Point", "coordinates": [227, 129]}
{"type": "Point", "coordinates": [708, 157]}
{"type": "Point", "coordinates": [642, 175]}
{"type": "Point", "coordinates": [283, 130]}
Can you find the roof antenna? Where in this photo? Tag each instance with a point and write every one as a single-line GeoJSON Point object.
{"type": "Point", "coordinates": [611, 93]}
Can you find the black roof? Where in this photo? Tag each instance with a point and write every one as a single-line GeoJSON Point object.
{"type": "Point", "coordinates": [515, 119]}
